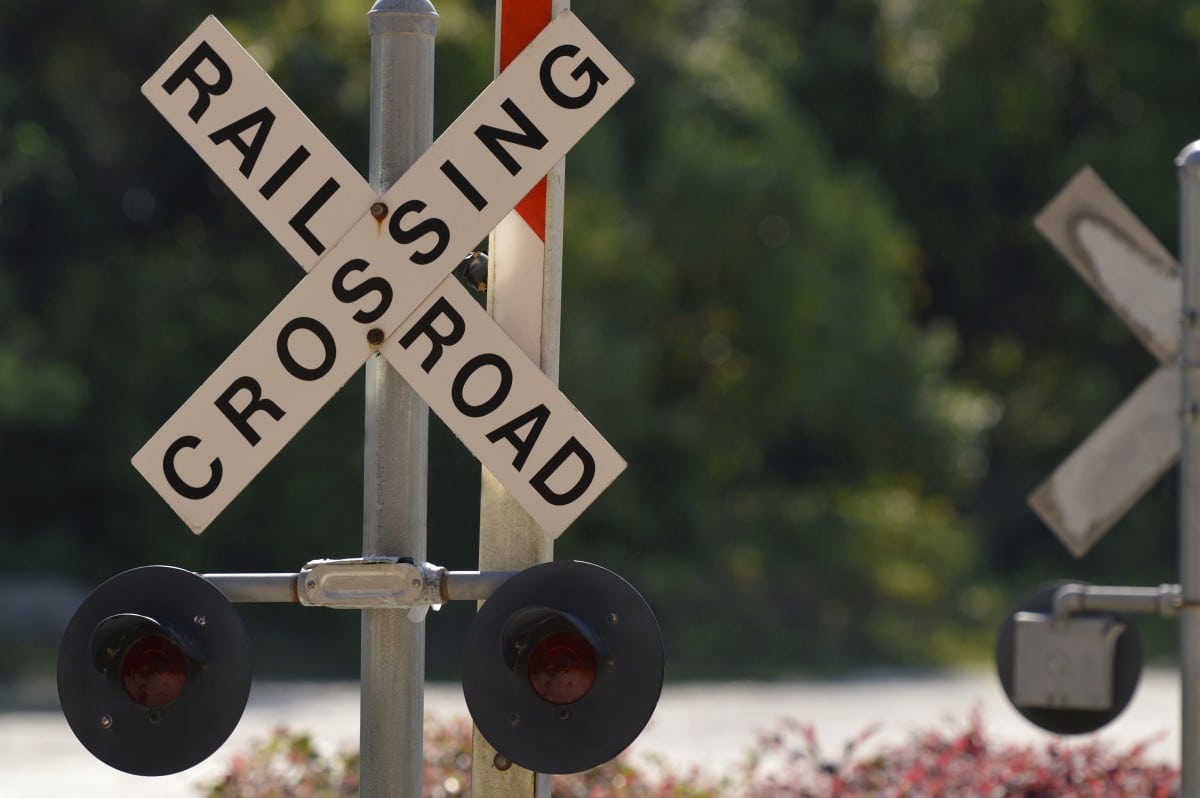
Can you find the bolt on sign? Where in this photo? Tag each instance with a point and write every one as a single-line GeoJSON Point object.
{"type": "Point", "coordinates": [379, 274]}
{"type": "Point", "coordinates": [1134, 274]}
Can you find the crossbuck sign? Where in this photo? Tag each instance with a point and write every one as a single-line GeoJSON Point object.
{"type": "Point", "coordinates": [379, 274]}
{"type": "Point", "coordinates": [1135, 275]}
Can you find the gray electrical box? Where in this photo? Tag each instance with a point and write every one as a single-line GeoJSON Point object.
{"type": "Point", "coordinates": [1064, 663]}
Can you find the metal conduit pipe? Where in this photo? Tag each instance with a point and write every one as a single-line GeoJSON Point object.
{"type": "Point", "coordinates": [1164, 600]}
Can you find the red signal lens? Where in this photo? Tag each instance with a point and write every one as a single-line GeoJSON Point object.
{"type": "Point", "coordinates": [154, 671]}
{"type": "Point", "coordinates": [562, 667]}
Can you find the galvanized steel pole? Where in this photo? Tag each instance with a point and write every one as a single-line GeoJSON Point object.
{"type": "Point", "coordinates": [1188, 164]}
{"type": "Point", "coordinates": [395, 461]}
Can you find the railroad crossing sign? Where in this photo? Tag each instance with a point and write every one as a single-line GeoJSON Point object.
{"type": "Point", "coordinates": [379, 274]}
{"type": "Point", "coordinates": [1136, 276]}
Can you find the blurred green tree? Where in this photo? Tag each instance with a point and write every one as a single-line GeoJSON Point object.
{"type": "Point", "coordinates": [992, 107]}
{"type": "Point", "coordinates": [796, 445]}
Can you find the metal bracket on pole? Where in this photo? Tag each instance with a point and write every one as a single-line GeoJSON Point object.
{"type": "Point", "coordinates": [379, 583]}
{"type": "Point", "coordinates": [362, 583]}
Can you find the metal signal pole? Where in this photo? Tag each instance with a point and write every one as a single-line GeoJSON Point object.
{"type": "Point", "coordinates": [397, 426]}
{"type": "Point", "coordinates": [1188, 164]}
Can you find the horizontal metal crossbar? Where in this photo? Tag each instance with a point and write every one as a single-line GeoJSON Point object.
{"type": "Point", "coordinates": [1165, 600]}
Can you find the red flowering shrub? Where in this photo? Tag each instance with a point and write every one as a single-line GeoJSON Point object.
{"type": "Point", "coordinates": [956, 763]}
{"type": "Point", "coordinates": [787, 763]}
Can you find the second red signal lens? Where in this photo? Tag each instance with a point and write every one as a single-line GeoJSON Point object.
{"type": "Point", "coordinates": [562, 667]}
{"type": "Point", "coordinates": [154, 671]}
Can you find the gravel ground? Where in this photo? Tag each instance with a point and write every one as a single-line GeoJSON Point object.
{"type": "Point", "coordinates": [709, 725]}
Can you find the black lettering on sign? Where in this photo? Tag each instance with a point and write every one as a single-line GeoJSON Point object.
{"type": "Point", "coordinates": [189, 71]}
{"type": "Point", "coordinates": [464, 185]}
{"type": "Point", "coordinates": [528, 136]}
{"type": "Point", "coordinates": [540, 480]}
{"type": "Point", "coordinates": [240, 419]}
{"type": "Point", "coordinates": [437, 340]}
{"type": "Point", "coordinates": [285, 171]}
{"type": "Point", "coordinates": [370, 285]}
{"type": "Point", "coordinates": [458, 388]}
{"type": "Point", "coordinates": [587, 67]}
{"type": "Point", "coordinates": [293, 366]}
{"type": "Point", "coordinates": [299, 222]}
{"type": "Point", "coordinates": [410, 235]}
{"type": "Point", "coordinates": [184, 489]}
{"type": "Point", "coordinates": [262, 119]}
{"type": "Point", "coordinates": [537, 416]}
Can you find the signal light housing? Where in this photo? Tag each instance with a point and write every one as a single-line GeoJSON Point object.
{"type": "Point", "coordinates": [564, 667]}
{"type": "Point", "coordinates": [154, 671]}
{"type": "Point", "coordinates": [1073, 660]}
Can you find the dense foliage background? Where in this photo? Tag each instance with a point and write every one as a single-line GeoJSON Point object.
{"type": "Point", "coordinates": [803, 298]}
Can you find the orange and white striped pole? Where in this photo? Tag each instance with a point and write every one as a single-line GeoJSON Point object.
{"type": "Point", "coordinates": [526, 248]}
{"type": "Point", "coordinates": [525, 297]}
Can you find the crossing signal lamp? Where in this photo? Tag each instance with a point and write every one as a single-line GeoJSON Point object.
{"type": "Point", "coordinates": [154, 671]}
{"type": "Point", "coordinates": [1067, 673]}
{"type": "Point", "coordinates": [563, 668]}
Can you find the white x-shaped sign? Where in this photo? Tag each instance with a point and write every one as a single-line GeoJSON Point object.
{"type": "Point", "coordinates": [379, 274]}
{"type": "Point", "coordinates": [1136, 276]}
